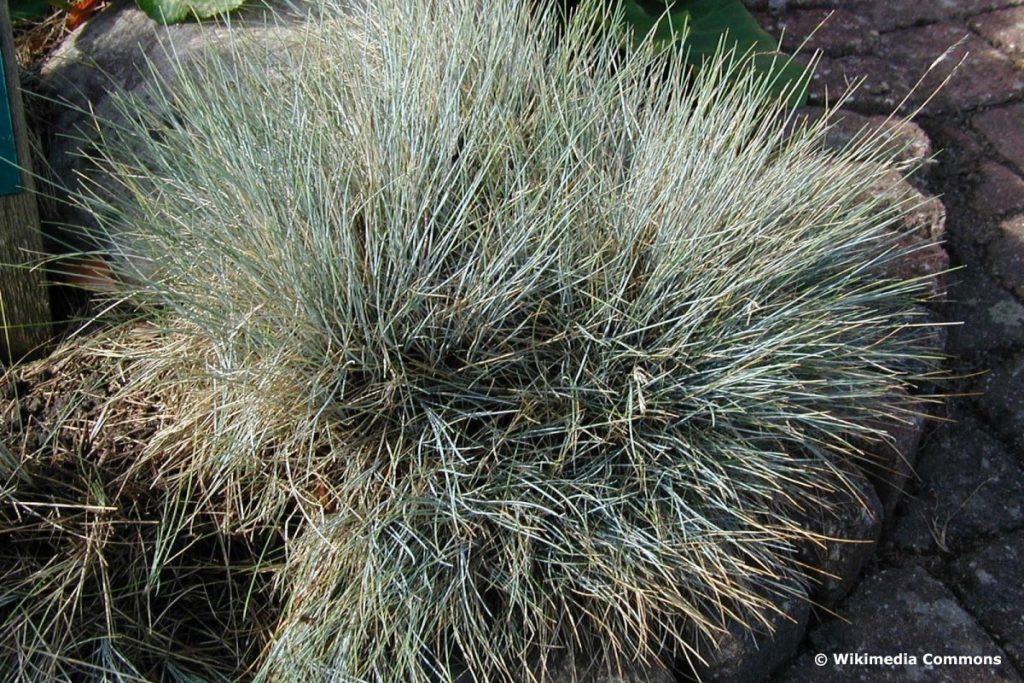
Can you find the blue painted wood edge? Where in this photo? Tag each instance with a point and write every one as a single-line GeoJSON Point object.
{"type": "Point", "coordinates": [10, 170]}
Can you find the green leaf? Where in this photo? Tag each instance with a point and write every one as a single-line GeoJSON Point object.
{"type": "Point", "coordinates": [638, 18]}
{"type": "Point", "coordinates": [716, 20]}
{"type": "Point", "coordinates": [788, 78]}
{"type": "Point", "coordinates": [646, 19]}
{"type": "Point", "coordinates": [173, 11]}
{"type": "Point", "coordinates": [713, 24]}
{"type": "Point", "coordinates": [28, 9]}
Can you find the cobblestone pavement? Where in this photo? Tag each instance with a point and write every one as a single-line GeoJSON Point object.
{"type": "Point", "coordinates": [949, 575]}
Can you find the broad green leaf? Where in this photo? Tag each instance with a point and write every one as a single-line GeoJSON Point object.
{"type": "Point", "coordinates": [787, 77]}
{"type": "Point", "coordinates": [27, 9]}
{"type": "Point", "coordinates": [713, 24]}
{"type": "Point", "coordinates": [715, 20]}
{"type": "Point", "coordinates": [636, 17]}
{"type": "Point", "coordinates": [173, 11]}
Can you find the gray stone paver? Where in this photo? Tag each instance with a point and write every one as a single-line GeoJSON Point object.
{"type": "Point", "coordinates": [972, 486]}
{"type": "Point", "coordinates": [1006, 254]}
{"type": "Point", "coordinates": [990, 584]}
{"type": "Point", "coordinates": [998, 190]}
{"type": "Point", "coordinates": [951, 570]}
{"type": "Point", "coordinates": [1003, 129]}
{"type": "Point", "coordinates": [885, 15]}
{"type": "Point", "coordinates": [990, 318]}
{"type": "Point", "coordinates": [910, 64]}
{"type": "Point", "coordinates": [908, 615]}
{"type": "Point", "coordinates": [1000, 396]}
{"type": "Point", "coordinates": [836, 32]}
{"type": "Point", "coordinates": [1003, 28]}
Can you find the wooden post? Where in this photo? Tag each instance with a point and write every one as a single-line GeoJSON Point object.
{"type": "Point", "coordinates": [24, 300]}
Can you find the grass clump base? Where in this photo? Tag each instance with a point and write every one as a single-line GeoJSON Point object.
{"type": "Point", "coordinates": [475, 341]}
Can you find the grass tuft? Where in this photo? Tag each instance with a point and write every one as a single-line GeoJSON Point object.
{"type": "Point", "coordinates": [479, 340]}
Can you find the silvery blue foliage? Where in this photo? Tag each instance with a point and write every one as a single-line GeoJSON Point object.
{"type": "Point", "coordinates": [517, 338]}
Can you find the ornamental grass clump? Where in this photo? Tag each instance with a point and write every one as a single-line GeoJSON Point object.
{"type": "Point", "coordinates": [513, 340]}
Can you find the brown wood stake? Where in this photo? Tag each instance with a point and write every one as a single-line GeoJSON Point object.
{"type": "Point", "coordinates": [24, 300]}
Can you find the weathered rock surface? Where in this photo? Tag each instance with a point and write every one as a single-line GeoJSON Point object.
{"type": "Point", "coordinates": [888, 47]}
{"type": "Point", "coordinates": [969, 492]}
{"type": "Point", "coordinates": [888, 16]}
{"type": "Point", "coordinates": [834, 31]}
{"type": "Point", "coordinates": [971, 486]}
{"type": "Point", "coordinates": [1006, 253]}
{"type": "Point", "coordinates": [906, 138]}
{"type": "Point", "coordinates": [903, 613]}
{"type": "Point", "coordinates": [998, 190]}
{"type": "Point", "coordinates": [579, 672]}
{"type": "Point", "coordinates": [1004, 28]}
{"type": "Point", "coordinates": [921, 233]}
{"type": "Point", "coordinates": [990, 584]}
{"type": "Point", "coordinates": [923, 229]}
{"type": "Point", "coordinates": [750, 656]}
{"type": "Point", "coordinates": [1003, 128]}
{"type": "Point", "coordinates": [989, 317]}
{"type": "Point", "coordinates": [890, 462]}
{"type": "Point", "coordinates": [849, 524]}
{"type": "Point", "coordinates": [1002, 399]}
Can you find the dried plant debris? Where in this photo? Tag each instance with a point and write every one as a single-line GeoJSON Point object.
{"type": "Point", "coordinates": [93, 586]}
